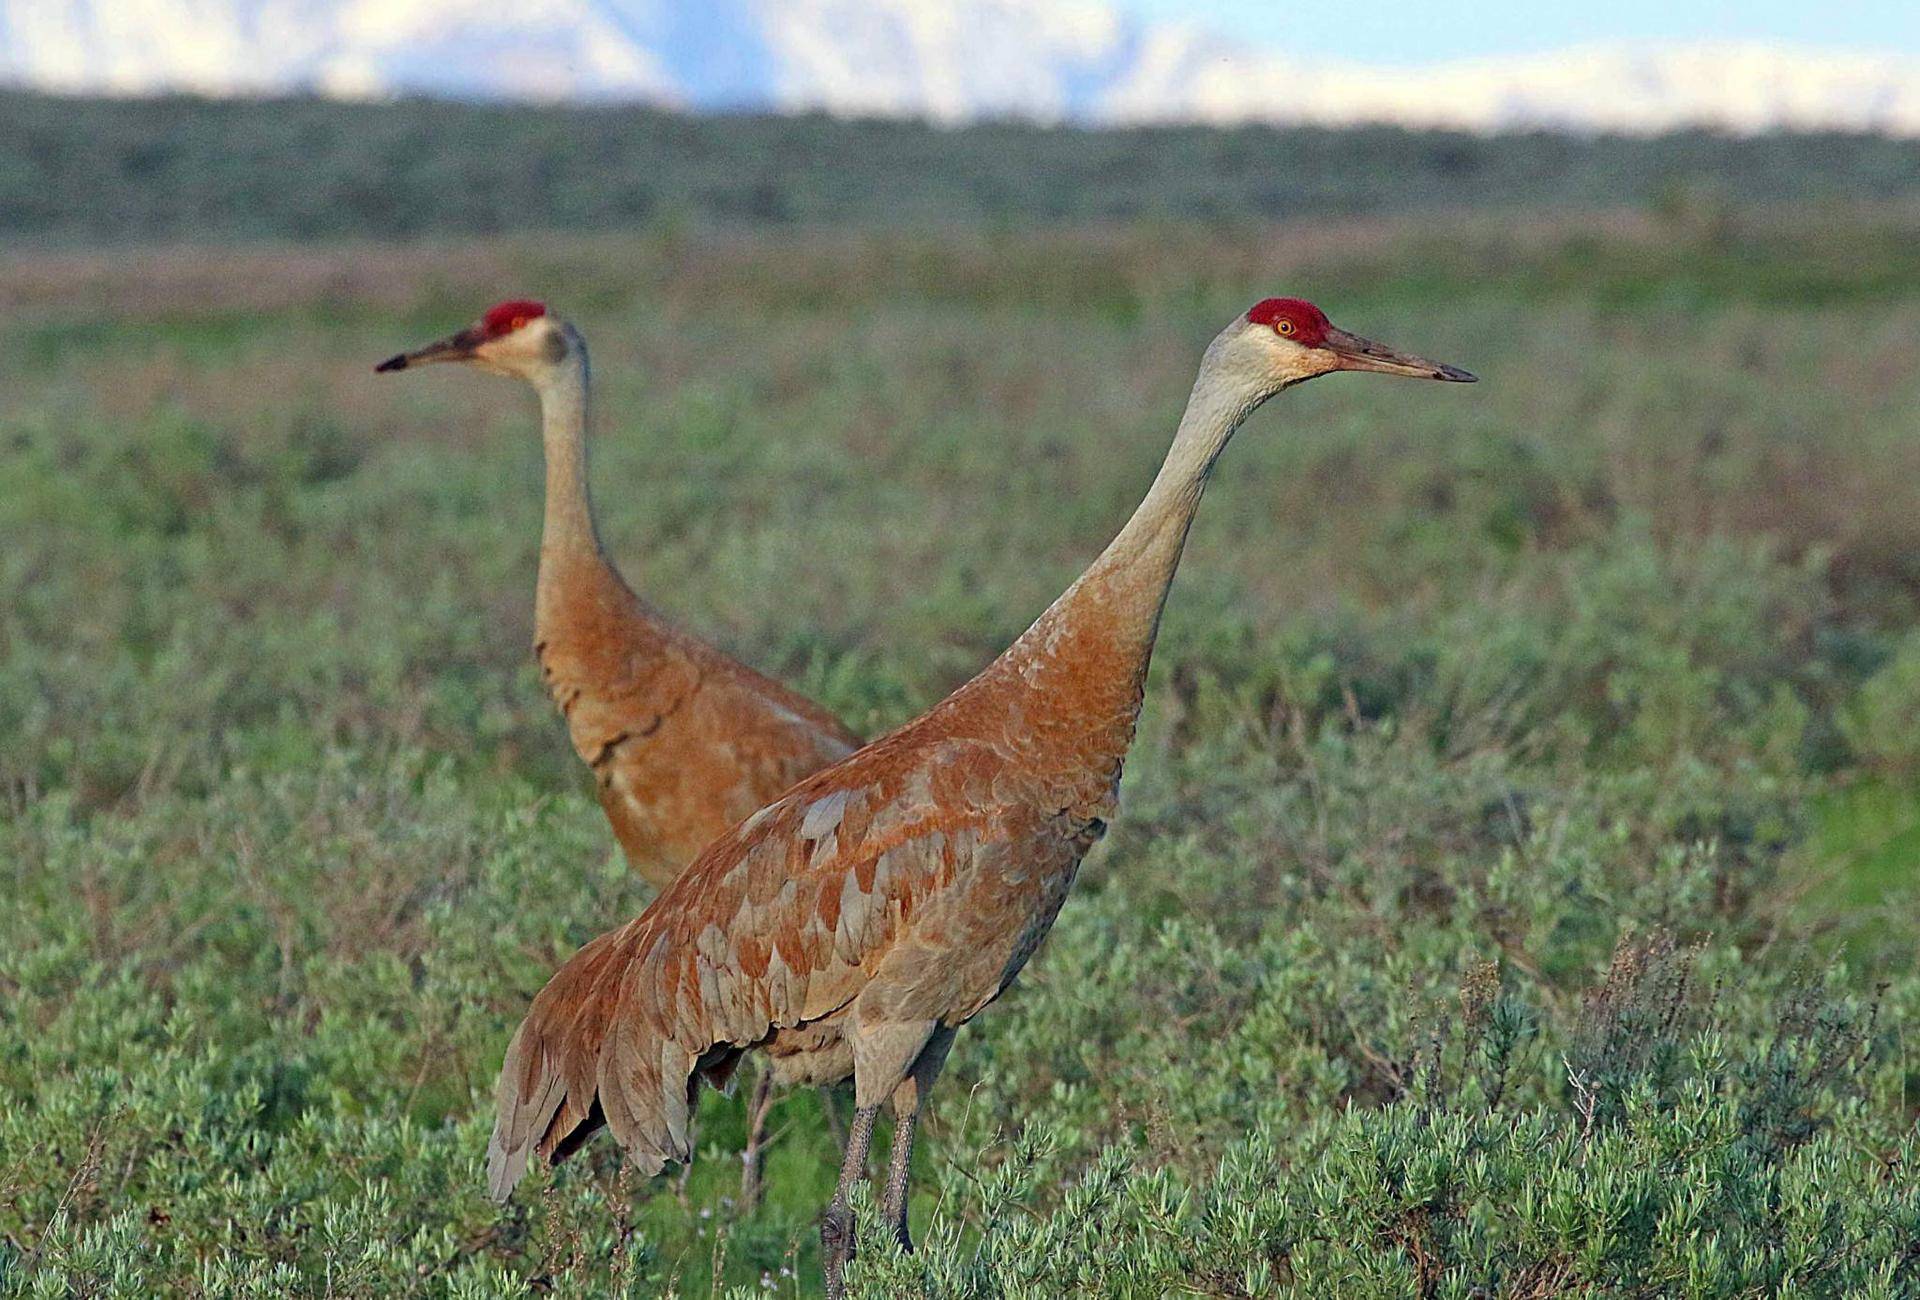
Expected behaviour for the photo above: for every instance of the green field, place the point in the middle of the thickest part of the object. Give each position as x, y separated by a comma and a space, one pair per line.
1514, 892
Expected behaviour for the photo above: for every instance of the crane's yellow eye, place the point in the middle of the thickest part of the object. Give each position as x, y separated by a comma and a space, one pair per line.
1284, 327
519, 323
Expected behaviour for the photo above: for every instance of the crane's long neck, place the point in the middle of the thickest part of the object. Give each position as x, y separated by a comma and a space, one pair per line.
1083, 664
569, 539
1131, 577
563, 430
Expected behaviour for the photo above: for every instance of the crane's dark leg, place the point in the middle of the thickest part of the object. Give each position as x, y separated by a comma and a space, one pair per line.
830, 1104
907, 1100
893, 1205
757, 1109
836, 1230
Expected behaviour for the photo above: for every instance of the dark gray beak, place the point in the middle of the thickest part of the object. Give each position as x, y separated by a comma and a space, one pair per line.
1356, 353
455, 347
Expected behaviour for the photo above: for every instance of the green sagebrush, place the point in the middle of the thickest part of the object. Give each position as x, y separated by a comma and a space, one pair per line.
1510, 897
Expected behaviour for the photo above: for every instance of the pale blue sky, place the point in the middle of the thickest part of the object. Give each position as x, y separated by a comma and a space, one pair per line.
1407, 31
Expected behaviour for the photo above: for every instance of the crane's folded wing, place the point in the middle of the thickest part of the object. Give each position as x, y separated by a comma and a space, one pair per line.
781, 921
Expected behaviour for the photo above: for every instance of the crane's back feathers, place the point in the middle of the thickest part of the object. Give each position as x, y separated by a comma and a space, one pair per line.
683, 740
891, 894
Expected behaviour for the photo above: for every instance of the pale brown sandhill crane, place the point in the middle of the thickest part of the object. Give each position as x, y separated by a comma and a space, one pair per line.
854, 925
683, 740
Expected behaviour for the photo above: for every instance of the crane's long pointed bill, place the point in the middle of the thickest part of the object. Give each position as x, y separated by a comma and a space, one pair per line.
1356, 353
455, 347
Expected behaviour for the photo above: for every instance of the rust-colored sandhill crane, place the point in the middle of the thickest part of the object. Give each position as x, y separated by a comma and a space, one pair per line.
854, 925
683, 740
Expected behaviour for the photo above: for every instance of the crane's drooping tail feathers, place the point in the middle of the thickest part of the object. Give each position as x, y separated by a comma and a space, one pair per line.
576, 1062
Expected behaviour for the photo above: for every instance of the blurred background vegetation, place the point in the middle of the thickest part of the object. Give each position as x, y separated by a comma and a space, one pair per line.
79, 170
1515, 890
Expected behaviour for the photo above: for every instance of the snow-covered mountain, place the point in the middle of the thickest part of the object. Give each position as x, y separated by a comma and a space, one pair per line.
951, 60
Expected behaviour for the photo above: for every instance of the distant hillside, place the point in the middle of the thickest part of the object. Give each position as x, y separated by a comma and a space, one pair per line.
88, 171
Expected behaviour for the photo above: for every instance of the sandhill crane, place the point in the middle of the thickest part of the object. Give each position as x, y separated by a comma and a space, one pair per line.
683, 740
855, 924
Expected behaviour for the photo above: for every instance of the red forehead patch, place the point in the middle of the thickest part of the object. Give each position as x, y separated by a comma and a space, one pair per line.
1306, 324
508, 316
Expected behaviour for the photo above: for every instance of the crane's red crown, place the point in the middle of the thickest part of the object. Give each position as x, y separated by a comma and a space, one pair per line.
1295, 319
506, 317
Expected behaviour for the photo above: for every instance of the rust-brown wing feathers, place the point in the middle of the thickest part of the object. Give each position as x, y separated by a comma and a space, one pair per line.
786, 920
904, 885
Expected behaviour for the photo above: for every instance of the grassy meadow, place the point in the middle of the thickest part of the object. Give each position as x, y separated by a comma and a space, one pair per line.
1514, 894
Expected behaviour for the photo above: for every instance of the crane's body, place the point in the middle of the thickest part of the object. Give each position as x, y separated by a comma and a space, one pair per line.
683, 740
877, 905
853, 926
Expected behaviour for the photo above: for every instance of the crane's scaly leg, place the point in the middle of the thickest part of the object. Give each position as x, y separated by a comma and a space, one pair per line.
899, 1166
830, 1104
757, 1110
907, 1100
836, 1229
